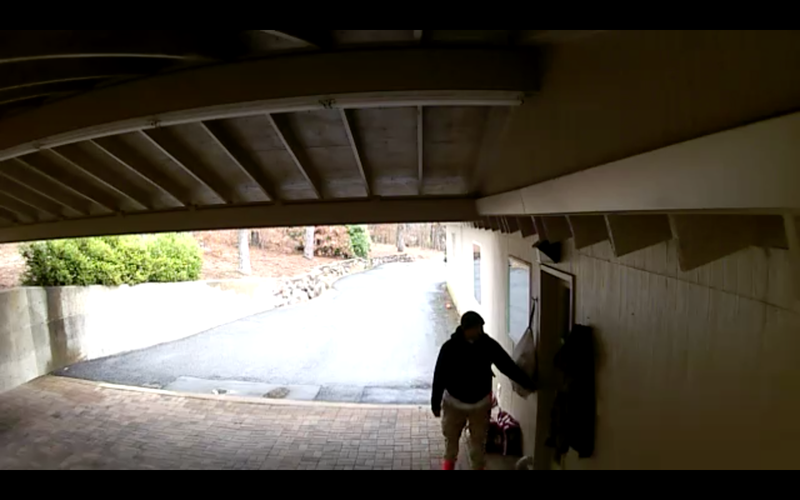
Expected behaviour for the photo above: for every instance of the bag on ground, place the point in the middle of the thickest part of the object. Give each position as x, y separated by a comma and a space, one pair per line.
505, 436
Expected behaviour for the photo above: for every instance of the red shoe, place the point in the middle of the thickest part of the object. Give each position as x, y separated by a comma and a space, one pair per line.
449, 465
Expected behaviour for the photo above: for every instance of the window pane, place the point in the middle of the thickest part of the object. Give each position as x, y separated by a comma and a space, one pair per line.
519, 298
476, 257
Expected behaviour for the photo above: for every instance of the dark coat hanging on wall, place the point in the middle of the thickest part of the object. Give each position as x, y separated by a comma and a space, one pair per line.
575, 409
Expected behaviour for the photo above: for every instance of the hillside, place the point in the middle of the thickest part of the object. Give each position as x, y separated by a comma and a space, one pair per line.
275, 256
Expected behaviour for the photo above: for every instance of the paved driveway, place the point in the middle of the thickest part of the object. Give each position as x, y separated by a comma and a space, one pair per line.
374, 339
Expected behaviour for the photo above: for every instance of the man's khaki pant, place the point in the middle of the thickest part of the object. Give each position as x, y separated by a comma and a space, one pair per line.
454, 420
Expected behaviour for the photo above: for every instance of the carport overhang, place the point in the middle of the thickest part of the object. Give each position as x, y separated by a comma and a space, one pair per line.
232, 129
45, 142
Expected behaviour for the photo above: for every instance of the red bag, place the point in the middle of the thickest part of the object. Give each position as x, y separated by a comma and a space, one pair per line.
512, 435
505, 436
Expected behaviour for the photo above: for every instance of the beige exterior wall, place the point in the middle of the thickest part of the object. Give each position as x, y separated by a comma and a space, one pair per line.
696, 370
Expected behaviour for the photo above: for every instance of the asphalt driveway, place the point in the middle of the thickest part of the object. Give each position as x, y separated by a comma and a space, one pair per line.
373, 339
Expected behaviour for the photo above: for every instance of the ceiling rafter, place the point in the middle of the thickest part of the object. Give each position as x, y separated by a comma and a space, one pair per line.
44, 165
21, 210
136, 163
9, 216
280, 123
176, 152
24, 196
385, 211
18, 191
238, 156
366, 177
81, 160
27, 177
393, 78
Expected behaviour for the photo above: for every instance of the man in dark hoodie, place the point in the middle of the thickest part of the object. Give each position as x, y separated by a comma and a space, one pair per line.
462, 387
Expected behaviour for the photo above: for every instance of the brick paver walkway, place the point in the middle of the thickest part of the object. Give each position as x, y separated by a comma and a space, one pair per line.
57, 423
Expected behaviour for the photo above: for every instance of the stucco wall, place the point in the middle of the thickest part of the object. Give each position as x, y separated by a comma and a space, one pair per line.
696, 370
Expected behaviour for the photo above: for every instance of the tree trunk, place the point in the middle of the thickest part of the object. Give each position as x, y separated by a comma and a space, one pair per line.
308, 251
244, 252
401, 238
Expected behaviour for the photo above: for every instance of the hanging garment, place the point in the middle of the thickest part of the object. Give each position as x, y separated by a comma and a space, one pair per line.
526, 356
575, 410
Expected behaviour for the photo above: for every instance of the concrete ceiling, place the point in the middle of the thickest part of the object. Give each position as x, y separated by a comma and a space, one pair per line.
108, 132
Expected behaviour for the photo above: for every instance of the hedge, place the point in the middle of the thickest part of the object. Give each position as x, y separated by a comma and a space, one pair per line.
112, 261
359, 241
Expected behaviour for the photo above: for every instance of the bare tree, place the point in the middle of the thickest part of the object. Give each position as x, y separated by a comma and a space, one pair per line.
244, 252
308, 251
401, 238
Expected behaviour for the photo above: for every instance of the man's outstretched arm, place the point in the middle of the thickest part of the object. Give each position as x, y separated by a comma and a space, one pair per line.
509, 368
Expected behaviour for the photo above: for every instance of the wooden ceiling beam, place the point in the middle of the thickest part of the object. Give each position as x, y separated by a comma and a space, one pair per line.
8, 217
77, 157
253, 216
23, 194
21, 211
355, 141
494, 130
238, 156
46, 163
281, 126
180, 155
20, 172
131, 159
373, 78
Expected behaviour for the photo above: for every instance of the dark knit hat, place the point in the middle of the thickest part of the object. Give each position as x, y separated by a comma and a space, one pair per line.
471, 320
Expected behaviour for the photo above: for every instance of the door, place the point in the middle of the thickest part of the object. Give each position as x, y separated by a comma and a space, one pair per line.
556, 305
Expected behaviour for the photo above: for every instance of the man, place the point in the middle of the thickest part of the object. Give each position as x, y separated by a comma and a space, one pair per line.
462, 387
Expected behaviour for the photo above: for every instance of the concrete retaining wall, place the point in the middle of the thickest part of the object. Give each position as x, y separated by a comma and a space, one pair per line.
42, 330
45, 329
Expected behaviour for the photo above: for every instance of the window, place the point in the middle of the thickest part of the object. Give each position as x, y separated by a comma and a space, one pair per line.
519, 298
476, 258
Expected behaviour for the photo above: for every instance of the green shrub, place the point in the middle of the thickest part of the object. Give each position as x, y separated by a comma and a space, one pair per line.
112, 261
359, 240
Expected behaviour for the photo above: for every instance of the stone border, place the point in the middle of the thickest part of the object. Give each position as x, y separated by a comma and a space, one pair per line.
235, 399
308, 286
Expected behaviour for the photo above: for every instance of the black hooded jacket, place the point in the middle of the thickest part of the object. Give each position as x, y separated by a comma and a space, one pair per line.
464, 369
